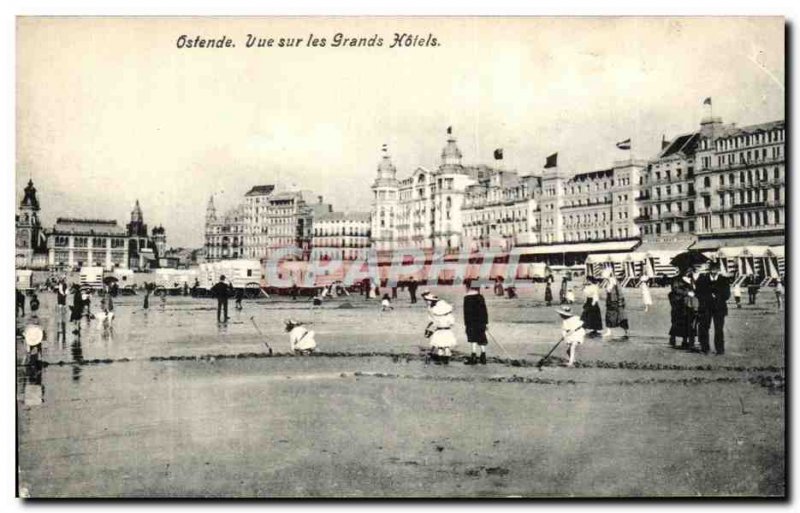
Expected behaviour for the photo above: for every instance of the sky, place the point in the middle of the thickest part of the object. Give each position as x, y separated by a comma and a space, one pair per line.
109, 110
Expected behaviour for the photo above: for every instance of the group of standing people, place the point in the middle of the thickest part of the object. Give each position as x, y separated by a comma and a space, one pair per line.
441, 321
697, 302
615, 317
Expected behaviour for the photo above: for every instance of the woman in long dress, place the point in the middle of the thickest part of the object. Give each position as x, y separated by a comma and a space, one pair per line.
591, 316
647, 299
615, 306
683, 314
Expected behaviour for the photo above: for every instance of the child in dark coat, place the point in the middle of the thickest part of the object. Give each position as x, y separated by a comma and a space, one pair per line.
476, 320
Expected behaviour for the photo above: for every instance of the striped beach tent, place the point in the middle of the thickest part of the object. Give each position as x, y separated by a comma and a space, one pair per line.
597, 263
657, 263
777, 259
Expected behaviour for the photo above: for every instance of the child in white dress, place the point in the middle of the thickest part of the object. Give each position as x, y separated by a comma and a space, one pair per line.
301, 339
573, 333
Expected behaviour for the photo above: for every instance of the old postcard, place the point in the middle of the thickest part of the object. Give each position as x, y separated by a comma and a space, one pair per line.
395, 257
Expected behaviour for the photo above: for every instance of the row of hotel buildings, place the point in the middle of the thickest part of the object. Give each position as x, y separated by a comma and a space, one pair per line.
719, 185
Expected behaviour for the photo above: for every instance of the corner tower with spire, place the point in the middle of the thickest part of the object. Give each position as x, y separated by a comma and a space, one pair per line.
30, 238
385, 198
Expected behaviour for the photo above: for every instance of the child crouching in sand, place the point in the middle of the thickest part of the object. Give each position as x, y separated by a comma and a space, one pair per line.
386, 303
301, 339
572, 332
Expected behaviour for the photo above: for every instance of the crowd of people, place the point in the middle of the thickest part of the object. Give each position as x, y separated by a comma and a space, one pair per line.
698, 301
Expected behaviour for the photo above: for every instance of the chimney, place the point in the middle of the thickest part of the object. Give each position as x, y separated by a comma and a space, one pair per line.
319, 198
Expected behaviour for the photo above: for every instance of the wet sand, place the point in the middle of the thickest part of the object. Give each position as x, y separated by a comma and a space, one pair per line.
173, 404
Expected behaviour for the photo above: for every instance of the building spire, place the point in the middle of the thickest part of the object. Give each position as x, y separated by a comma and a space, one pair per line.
211, 210
30, 200
451, 155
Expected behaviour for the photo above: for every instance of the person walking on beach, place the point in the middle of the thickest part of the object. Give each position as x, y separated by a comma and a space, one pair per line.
61, 295
779, 293
562, 292
752, 290
713, 292
647, 299
591, 316
548, 293
239, 298
615, 306
20, 302
737, 295
412, 290
476, 321
77, 309
221, 291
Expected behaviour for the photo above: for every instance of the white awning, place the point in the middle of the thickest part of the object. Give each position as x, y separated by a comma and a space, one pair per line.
757, 251
777, 251
664, 254
730, 252
586, 247
608, 258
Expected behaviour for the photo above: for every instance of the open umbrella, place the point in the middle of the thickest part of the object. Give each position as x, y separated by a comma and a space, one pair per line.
688, 259
108, 280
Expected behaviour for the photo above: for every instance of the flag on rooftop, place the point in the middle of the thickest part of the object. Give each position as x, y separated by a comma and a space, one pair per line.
498, 154
552, 161
707, 101
624, 145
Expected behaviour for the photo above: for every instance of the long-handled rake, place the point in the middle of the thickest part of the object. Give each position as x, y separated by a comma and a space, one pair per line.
262, 335
545, 357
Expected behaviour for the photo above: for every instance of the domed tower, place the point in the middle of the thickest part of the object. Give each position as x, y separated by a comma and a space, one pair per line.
385, 196
160, 240
451, 155
137, 228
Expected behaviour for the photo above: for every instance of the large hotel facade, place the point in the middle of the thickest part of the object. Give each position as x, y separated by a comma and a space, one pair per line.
703, 190
475, 207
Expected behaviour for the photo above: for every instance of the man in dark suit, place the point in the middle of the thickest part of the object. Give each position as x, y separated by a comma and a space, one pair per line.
221, 291
713, 292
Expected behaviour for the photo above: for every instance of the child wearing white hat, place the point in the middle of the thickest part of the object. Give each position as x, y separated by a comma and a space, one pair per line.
301, 339
572, 332
442, 339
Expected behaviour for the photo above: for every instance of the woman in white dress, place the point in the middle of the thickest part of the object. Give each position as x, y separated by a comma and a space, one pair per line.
647, 299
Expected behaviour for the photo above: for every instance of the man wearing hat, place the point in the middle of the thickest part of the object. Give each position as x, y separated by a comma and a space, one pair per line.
572, 332
713, 292
221, 290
